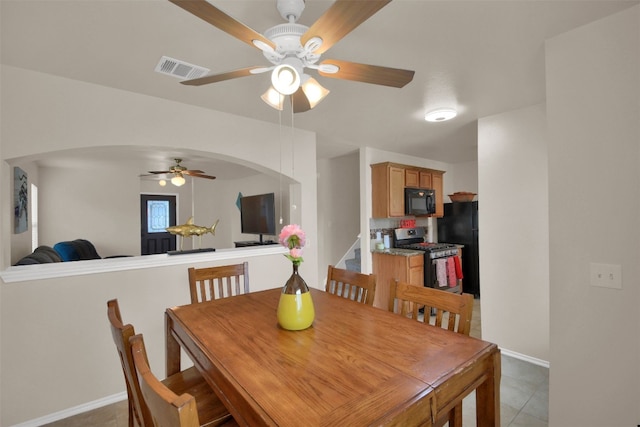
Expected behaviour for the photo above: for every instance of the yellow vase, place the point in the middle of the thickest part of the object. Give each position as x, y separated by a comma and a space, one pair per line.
295, 308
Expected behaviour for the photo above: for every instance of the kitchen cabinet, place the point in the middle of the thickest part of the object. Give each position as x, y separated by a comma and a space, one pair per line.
388, 190
411, 178
437, 180
426, 180
390, 266
388, 181
416, 178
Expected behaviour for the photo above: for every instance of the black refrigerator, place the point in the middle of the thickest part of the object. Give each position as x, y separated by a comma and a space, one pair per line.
460, 225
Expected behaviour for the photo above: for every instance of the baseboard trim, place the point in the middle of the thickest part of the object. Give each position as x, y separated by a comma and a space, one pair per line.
66, 413
524, 357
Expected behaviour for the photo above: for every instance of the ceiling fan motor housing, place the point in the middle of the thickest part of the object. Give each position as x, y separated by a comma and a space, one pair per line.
178, 167
287, 40
290, 10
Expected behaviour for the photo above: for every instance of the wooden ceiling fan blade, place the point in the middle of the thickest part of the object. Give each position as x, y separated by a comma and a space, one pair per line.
214, 16
373, 74
192, 171
339, 20
299, 102
199, 175
214, 78
159, 172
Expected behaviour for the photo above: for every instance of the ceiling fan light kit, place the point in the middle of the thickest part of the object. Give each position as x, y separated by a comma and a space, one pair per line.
178, 180
441, 115
314, 91
285, 79
273, 98
292, 47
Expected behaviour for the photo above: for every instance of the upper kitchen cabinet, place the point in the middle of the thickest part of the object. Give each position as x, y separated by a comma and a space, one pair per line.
411, 178
389, 181
437, 181
419, 178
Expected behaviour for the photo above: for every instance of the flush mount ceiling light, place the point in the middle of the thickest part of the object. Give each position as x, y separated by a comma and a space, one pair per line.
441, 115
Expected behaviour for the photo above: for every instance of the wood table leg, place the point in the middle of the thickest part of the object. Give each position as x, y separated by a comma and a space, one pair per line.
488, 394
172, 350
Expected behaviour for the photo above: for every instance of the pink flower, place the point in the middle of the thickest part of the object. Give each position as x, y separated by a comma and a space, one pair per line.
296, 252
293, 238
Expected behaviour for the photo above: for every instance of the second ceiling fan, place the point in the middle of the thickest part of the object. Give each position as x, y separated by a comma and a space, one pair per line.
292, 47
178, 171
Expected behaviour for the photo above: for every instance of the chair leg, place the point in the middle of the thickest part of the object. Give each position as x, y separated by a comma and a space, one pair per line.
453, 417
131, 420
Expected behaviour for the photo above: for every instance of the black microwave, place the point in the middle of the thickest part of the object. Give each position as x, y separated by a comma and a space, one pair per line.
419, 202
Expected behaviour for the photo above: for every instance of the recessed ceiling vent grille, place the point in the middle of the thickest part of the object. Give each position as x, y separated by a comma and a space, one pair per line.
180, 69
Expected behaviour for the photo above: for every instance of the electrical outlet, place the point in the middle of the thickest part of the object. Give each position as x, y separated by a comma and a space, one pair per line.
606, 275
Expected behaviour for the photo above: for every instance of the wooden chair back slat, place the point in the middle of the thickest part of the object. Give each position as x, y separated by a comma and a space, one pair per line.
211, 283
351, 285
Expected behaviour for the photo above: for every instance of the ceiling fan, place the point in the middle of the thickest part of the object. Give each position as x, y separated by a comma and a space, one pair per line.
292, 47
178, 171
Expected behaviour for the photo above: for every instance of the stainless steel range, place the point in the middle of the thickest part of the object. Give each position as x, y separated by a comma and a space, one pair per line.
440, 270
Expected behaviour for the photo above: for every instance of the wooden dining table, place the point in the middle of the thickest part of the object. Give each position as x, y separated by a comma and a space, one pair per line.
355, 366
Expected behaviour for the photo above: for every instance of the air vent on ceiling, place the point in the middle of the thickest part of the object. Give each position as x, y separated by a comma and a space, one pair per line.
180, 69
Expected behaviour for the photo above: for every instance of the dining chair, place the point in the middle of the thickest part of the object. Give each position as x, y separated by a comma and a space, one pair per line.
349, 284
452, 311
211, 283
167, 408
211, 410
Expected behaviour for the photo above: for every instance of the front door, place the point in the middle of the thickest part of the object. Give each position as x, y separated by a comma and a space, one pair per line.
157, 212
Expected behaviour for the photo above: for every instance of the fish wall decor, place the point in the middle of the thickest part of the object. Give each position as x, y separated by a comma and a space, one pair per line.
189, 229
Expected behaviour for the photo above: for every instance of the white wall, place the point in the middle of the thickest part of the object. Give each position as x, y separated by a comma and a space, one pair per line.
593, 105
49, 324
339, 195
88, 117
95, 204
463, 177
514, 231
57, 350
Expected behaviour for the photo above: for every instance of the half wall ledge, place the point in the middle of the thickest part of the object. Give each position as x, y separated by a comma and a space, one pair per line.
25, 273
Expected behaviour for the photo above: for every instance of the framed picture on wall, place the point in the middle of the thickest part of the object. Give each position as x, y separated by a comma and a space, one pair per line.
20, 200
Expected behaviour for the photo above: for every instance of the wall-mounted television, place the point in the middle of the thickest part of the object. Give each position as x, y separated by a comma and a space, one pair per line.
258, 214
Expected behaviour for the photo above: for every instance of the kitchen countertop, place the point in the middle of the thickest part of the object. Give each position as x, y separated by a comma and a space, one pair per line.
397, 251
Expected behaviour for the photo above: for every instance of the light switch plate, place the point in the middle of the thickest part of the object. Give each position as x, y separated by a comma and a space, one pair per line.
606, 275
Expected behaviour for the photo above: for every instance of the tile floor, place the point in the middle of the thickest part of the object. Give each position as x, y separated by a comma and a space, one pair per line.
524, 390
524, 395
